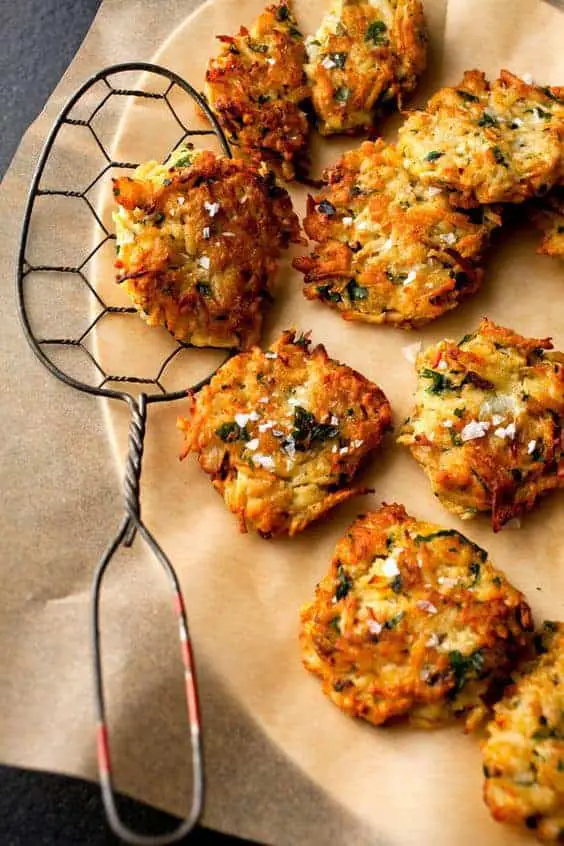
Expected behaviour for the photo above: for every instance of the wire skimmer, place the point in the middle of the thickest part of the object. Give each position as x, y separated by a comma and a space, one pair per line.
99, 385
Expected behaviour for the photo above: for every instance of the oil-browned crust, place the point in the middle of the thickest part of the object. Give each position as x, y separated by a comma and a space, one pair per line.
548, 214
390, 249
524, 753
198, 239
498, 143
283, 433
363, 59
487, 422
412, 620
258, 89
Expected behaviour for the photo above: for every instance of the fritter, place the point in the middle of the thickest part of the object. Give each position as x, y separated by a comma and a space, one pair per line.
258, 89
282, 433
197, 241
548, 215
490, 144
391, 249
413, 621
363, 59
524, 753
487, 423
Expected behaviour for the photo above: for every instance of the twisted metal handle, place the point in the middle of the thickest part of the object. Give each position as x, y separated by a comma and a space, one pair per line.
130, 525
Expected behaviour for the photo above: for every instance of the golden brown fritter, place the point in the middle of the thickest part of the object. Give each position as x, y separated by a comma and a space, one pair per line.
363, 59
391, 250
487, 423
258, 89
283, 433
524, 754
498, 143
197, 241
548, 215
412, 620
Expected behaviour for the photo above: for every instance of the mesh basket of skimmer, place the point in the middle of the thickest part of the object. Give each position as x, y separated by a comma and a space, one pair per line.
136, 391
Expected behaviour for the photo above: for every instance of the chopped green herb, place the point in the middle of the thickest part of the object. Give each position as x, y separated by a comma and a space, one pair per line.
307, 430
316, 42
465, 339
433, 156
338, 58
461, 280
393, 621
496, 581
396, 584
334, 623
467, 96
452, 533
376, 32
282, 13
474, 570
440, 382
327, 293
116, 192
325, 207
203, 289
537, 453
230, 432
294, 32
355, 291
262, 99
550, 93
542, 113
158, 219
487, 120
256, 46
344, 583
498, 156
167, 182
340, 684
183, 161
350, 412
342, 94
302, 340
465, 666
458, 412
455, 438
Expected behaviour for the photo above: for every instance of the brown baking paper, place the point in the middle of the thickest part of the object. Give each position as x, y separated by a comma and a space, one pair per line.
284, 765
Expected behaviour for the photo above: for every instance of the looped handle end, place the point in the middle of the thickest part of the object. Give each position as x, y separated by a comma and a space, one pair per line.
193, 712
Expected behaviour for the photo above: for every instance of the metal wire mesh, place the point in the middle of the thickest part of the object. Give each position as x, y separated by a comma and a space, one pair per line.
101, 376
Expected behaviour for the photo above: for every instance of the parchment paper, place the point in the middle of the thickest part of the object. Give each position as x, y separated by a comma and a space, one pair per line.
285, 766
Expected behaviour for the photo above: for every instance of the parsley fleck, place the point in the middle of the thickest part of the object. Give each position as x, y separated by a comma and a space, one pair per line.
465, 340
307, 430
344, 583
433, 156
474, 570
327, 293
230, 432
282, 13
396, 584
325, 207
487, 120
203, 289
465, 666
294, 32
467, 96
342, 94
440, 382
498, 156
356, 292
183, 161
376, 32
458, 412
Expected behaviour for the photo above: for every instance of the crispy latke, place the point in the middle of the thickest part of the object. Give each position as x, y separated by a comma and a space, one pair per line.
363, 59
391, 250
283, 433
498, 143
197, 241
487, 422
524, 754
258, 89
548, 215
413, 621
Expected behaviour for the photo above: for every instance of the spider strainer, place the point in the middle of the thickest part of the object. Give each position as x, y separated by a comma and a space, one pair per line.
94, 94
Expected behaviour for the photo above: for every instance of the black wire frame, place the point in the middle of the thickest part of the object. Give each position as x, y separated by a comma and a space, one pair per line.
131, 522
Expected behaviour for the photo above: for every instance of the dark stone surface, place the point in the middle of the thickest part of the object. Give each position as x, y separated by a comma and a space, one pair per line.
38, 40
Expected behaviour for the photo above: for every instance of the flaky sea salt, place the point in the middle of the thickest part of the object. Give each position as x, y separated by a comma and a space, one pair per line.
474, 429
506, 431
211, 208
390, 567
204, 261
411, 351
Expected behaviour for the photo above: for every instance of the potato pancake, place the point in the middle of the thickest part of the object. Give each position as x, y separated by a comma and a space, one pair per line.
363, 59
198, 240
489, 144
524, 753
258, 89
487, 422
282, 433
413, 621
391, 249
